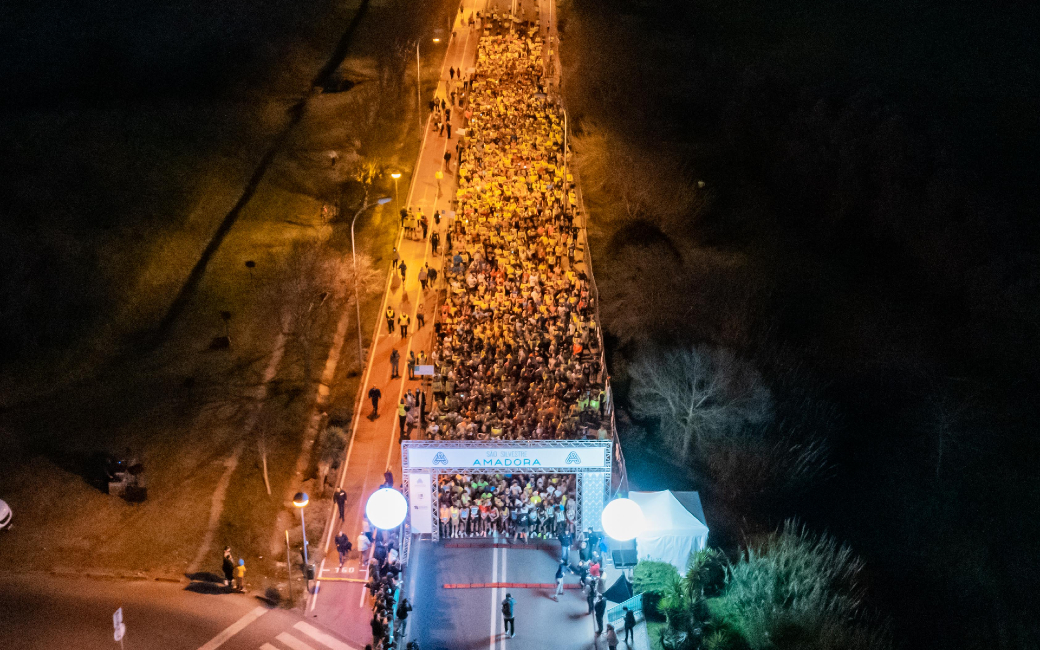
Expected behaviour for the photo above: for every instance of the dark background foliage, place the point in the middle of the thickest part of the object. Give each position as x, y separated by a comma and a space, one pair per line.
866, 236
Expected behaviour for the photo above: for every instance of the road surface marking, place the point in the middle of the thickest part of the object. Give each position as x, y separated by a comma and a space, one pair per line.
293, 642
373, 348
234, 629
493, 637
268, 646
323, 638
502, 577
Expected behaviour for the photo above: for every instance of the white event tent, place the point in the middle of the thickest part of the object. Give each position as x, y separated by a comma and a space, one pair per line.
674, 526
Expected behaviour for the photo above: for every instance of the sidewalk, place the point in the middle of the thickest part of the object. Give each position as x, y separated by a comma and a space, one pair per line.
342, 605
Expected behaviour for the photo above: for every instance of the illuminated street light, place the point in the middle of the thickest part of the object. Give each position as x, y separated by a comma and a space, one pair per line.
386, 508
623, 520
300, 501
418, 82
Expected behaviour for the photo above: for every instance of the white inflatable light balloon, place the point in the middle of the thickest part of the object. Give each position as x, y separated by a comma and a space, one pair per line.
386, 508
623, 519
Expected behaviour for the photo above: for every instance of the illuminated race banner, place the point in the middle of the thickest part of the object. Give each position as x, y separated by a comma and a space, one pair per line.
576, 455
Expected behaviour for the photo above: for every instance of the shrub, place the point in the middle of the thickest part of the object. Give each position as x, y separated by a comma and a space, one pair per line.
651, 577
653, 580
797, 589
706, 572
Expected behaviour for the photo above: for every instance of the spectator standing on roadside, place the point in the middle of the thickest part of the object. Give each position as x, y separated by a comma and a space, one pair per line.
373, 394
559, 581
566, 540
630, 625
600, 608
402, 413
404, 270
378, 630
435, 242
340, 497
388, 478
508, 605
403, 608
240, 575
611, 638
411, 421
422, 277
395, 359
343, 546
363, 543
420, 316
228, 566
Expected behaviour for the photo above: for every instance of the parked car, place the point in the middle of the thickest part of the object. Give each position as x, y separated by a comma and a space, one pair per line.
5, 515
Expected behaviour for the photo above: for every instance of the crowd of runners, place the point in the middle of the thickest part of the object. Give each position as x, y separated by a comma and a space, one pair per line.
514, 506
516, 349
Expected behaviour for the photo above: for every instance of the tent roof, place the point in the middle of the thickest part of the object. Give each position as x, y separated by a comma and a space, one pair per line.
692, 502
665, 513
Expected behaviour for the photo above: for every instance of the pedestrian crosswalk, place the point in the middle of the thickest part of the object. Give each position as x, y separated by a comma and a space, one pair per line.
306, 637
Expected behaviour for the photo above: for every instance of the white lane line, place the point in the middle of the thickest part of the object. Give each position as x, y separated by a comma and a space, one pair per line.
234, 629
492, 637
460, 56
293, 642
268, 646
321, 637
373, 348
502, 578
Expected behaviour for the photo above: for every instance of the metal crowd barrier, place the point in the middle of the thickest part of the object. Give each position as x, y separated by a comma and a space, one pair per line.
617, 612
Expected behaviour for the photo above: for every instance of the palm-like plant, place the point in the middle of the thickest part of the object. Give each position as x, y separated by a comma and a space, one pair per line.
797, 589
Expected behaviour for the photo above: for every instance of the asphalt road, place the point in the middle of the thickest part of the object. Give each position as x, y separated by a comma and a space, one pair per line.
42, 612
471, 618
344, 606
341, 605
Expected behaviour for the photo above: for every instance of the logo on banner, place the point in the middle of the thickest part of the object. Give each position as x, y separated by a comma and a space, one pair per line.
573, 458
440, 459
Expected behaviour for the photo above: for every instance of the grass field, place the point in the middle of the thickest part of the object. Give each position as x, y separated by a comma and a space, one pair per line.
104, 384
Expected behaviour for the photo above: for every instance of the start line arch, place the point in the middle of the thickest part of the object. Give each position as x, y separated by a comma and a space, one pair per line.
424, 461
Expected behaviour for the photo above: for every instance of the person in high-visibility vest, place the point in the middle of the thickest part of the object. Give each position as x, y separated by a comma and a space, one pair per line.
402, 414
390, 319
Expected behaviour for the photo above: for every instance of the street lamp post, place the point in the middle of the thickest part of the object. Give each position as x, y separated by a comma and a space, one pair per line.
357, 303
418, 89
300, 501
418, 83
397, 197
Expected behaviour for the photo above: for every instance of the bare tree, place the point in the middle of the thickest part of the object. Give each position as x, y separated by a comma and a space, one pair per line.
333, 443
305, 283
700, 395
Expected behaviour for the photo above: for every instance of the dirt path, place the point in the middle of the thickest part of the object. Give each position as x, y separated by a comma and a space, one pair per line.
231, 463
